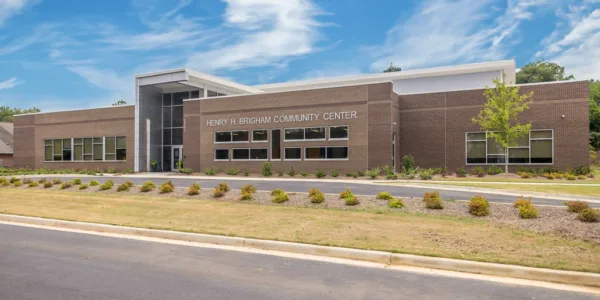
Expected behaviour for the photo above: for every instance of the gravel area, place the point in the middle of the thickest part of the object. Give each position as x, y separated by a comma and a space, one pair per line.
551, 219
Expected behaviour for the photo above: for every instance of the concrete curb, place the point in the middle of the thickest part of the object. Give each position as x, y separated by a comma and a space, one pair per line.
512, 271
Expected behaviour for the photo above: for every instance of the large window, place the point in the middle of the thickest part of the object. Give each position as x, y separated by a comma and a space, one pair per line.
338, 132
259, 136
250, 154
221, 154
293, 153
235, 136
325, 153
535, 148
301, 134
86, 149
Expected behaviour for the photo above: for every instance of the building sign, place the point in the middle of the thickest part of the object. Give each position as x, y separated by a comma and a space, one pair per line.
329, 116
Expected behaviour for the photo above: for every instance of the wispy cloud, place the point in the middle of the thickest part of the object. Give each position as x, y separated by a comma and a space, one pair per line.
9, 8
448, 32
42, 33
575, 42
265, 32
9, 84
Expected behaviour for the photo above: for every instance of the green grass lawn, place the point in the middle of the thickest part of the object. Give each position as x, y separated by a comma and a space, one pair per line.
556, 189
384, 229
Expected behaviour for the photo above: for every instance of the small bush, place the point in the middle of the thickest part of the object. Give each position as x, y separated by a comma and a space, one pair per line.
317, 197
345, 193
123, 188
246, 172
56, 181
576, 206
33, 184
66, 185
581, 177
27, 181
166, 188
210, 171
433, 200
76, 181
373, 173
13, 180
395, 203
571, 177
93, 183
304, 174
246, 196
276, 192
248, 189
523, 175
109, 182
384, 196
280, 174
461, 172
479, 206
351, 200
494, 170
41, 181
353, 175
360, 173
408, 164
292, 172
223, 187
521, 202
194, 189
146, 187
150, 184
313, 191
267, 169
48, 184
18, 183
320, 174
478, 171
589, 215
105, 186
426, 174
391, 176
218, 193
129, 183
111, 170
83, 186
528, 211
186, 171
335, 173
4, 181
280, 198
232, 171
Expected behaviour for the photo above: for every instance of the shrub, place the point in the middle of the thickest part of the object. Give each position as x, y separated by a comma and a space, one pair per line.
166, 188
433, 200
304, 174
93, 183
558, 175
426, 174
391, 176
48, 184
76, 181
186, 171
395, 203
576, 206
408, 164
146, 187
41, 181
280, 174
218, 193
194, 189
570, 177
373, 173
109, 182
478, 171
317, 197
494, 170
4, 181
56, 181
479, 206
232, 171
66, 185
335, 173
360, 173
248, 189
150, 184
18, 183
521, 202
276, 192
345, 193
223, 187
384, 196
210, 171
523, 175
129, 183
353, 175
27, 181
111, 170
320, 174
313, 191
105, 186
246, 172
196, 186
267, 169
33, 184
246, 196
292, 172
461, 172
581, 177
280, 198
581, 170
589, 215
351, 200
528, 211
123, 187
13, 180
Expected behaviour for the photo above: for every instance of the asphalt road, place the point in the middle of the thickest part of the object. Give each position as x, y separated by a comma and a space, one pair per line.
326, 187
47, 264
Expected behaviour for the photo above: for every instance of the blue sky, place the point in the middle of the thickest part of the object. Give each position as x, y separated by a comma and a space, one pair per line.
63, 54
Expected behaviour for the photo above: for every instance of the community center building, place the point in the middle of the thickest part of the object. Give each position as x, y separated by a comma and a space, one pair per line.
184, 117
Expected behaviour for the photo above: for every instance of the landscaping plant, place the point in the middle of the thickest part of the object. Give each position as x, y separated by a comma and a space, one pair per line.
461, 172
320, 174
408, 164
384, 196
478, 171
281, 197
246, 172
76, 181
83, 186
194, 189
267, 169
166, 188
33, 184
210, 171
18, 183
479, 206
528, 211
246, 196
521, 202
345, 193
276, 192
124, 187
395, 203
433, 200
589, 215
48, 184
335, 173
425, 174
316, 196
224, 187
232, 171
56, 181
373, 173
27, 181
13, 180
93, 183
576, 206
350, 199
292, 172
304, 174
248, 189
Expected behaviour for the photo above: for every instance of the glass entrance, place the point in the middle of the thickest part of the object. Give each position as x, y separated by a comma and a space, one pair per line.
177, 156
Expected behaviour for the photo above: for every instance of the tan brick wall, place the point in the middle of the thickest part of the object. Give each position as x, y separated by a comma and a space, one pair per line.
433, 126
31, 130
6, 160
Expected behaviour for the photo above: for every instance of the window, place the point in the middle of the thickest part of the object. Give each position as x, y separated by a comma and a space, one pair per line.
275, 144
241, 154
98, 151
196, 94
535, 148
177, 117
177, 136
259, 135
210, 93
88, 148
238, 136
179, 97
259, 154
48, 150
338, 132
110, 148
300, 134
325, 153
293, 153
221, 154
121, 148
78, 149
85, 149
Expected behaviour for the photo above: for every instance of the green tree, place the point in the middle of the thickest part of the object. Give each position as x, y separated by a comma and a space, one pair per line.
392, 68
594, 106
542, 71
499, 115
120, 102
7, 113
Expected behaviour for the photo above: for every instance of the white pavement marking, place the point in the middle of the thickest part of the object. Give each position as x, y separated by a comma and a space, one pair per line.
418, 270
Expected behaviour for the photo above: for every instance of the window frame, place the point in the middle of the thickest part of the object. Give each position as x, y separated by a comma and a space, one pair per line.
260, 141
249, 154
228, 154
231, 137
326, 156
292, 159
83, 154
304, 134
271, 146
507, 156
337, 139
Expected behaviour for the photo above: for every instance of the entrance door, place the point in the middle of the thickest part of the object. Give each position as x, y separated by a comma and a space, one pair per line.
177, 156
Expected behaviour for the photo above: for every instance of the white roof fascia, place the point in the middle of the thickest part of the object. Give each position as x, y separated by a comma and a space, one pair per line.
506, 66
223, 83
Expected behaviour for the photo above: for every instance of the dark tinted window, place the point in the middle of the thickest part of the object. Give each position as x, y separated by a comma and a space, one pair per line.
259, 153
315, 153
177, 136
294, 134
239, 136
337, 152
338, 132
241, 154
166, 117
179, 97
177, 116
293, 153
222, 154
222, 136
166, 99
314, 133
167, 136
276, 144
259, 135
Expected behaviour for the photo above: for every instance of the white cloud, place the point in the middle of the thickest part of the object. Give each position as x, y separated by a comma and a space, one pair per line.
42, 33
265, 32
121, 86
9, 84
9, 8
444, 32
575, 45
